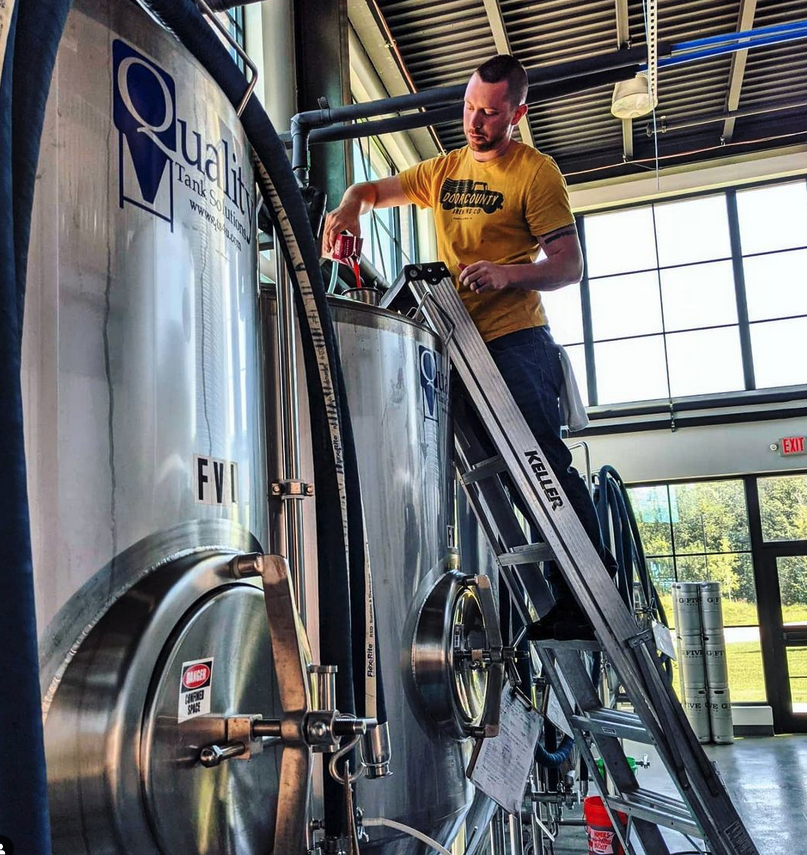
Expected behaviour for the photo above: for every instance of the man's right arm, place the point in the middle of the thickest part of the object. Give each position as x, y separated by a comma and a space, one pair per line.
358, 200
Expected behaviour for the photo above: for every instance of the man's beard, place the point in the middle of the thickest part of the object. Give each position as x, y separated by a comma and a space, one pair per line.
484, 144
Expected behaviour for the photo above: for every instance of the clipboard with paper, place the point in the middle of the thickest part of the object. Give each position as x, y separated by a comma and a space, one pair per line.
501, 766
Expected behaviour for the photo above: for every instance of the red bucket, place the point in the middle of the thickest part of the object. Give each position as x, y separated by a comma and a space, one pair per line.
602, 839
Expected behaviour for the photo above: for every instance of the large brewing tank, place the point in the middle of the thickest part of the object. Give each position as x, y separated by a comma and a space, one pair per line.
397, 387
145, 447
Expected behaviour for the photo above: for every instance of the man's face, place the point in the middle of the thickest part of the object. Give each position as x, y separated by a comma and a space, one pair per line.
489, 116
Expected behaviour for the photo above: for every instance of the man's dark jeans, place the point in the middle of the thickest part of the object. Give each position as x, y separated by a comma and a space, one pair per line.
529, 361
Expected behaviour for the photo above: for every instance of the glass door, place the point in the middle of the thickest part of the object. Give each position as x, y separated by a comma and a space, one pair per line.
781, 555
791, 572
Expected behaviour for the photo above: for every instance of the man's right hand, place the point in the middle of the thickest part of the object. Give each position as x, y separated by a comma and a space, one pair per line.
345, 218
360, 199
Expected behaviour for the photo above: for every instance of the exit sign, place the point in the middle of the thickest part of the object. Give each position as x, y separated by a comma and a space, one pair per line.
792, 445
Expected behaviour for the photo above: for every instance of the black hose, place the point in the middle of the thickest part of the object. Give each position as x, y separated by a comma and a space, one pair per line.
33, 39
621, 535
340, 525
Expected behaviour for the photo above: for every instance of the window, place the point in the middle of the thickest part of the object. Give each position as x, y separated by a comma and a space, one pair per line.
699, 532
701, 296
773, 234
783, 508
387, 232
233, 20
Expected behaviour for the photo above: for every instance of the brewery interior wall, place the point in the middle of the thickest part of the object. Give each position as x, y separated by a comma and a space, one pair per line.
644, 449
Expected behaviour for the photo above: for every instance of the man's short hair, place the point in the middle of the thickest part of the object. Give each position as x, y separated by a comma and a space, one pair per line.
506, 67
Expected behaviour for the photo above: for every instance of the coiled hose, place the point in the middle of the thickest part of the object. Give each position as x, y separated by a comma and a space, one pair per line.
621, 535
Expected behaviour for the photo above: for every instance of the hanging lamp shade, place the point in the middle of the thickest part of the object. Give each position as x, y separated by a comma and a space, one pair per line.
632, 98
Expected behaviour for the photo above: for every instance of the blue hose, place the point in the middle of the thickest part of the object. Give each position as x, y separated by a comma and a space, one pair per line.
721, 50
726, 38
554, 759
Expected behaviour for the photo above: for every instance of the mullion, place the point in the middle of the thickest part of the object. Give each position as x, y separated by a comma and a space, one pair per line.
740, 291
588, 325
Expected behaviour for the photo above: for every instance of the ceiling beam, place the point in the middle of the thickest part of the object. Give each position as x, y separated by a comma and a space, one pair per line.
502, 42
623, 41
378, 50
745, 22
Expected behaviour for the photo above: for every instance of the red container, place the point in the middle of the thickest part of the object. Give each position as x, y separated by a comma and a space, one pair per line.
602, 839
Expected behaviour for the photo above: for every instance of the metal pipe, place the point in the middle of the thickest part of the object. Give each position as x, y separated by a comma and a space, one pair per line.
302, 123
516, 835
498, 835
453, 112
716, 118
326, 685
226, 35
441, 95
290, 420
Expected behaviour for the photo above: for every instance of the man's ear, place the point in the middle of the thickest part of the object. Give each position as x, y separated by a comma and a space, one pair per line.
521, 111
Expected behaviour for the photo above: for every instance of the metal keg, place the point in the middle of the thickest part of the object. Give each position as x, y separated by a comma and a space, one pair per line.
714, 656
686, 600
696, 707
711, 604
720, 716
691, 662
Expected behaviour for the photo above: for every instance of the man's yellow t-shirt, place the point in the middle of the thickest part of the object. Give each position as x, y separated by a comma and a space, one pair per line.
492, 211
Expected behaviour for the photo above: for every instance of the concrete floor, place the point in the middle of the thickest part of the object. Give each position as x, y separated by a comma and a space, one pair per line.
767, 779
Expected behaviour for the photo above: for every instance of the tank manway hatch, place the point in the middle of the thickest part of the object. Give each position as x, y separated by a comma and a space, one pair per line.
181, 726
146, 691
457, 656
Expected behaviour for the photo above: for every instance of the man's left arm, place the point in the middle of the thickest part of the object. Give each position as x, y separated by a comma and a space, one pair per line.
561, 264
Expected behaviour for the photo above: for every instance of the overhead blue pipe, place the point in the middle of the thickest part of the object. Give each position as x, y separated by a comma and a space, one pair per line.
726, 38
732, 48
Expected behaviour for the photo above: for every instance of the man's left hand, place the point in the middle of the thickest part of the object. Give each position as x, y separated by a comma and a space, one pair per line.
484, 276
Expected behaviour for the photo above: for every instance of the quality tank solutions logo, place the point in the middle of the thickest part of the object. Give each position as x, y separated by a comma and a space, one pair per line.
165, 160
433, 382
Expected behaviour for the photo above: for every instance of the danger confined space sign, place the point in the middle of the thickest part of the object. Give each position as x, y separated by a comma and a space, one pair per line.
195, 688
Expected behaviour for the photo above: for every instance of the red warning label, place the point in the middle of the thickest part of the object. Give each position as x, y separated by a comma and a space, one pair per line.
195, 686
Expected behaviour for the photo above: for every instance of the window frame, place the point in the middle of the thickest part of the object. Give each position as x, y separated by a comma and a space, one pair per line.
739, 398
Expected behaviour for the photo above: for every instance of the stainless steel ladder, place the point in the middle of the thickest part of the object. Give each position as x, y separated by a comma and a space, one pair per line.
500, 462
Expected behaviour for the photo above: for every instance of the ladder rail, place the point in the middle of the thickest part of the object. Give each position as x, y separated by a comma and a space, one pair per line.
611, 752
628, 649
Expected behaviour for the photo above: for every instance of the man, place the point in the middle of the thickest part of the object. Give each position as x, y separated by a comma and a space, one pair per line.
496, 204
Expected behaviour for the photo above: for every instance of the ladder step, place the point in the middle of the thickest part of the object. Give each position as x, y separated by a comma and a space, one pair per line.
484, 469
530, 553
618, 723
658, 809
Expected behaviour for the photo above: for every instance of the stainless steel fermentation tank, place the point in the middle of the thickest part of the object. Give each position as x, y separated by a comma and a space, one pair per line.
397, 386
145, 444
144, 383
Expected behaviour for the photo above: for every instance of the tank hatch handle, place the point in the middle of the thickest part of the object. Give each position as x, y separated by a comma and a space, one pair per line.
488, 725
301, 730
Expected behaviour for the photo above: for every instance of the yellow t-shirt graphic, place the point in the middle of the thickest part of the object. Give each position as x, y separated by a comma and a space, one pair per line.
492, 211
